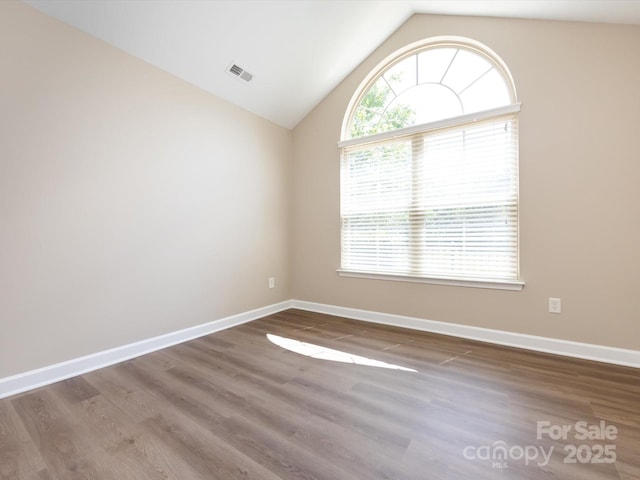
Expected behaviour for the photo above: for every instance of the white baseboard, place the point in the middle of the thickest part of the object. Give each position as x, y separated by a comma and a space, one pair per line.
587, 351
78, 366
61, 371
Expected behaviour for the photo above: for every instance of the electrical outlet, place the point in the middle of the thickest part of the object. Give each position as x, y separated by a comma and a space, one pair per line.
272, 282
555, 305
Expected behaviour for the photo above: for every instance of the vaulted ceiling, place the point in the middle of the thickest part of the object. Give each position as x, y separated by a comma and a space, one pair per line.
296, 50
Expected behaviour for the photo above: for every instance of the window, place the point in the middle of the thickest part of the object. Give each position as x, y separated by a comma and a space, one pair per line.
429, 169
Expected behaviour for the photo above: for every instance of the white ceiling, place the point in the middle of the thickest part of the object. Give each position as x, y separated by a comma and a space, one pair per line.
297, 50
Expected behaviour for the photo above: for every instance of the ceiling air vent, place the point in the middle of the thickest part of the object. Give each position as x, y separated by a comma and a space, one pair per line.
239, 72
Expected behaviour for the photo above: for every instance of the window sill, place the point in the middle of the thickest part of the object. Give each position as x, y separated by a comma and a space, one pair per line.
515, 285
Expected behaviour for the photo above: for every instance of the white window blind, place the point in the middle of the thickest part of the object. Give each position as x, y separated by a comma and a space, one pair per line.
437, 201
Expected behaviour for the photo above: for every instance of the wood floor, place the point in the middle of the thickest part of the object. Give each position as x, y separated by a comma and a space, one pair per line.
241, 405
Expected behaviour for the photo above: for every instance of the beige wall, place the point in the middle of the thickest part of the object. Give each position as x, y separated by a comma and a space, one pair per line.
131, 203
580, 187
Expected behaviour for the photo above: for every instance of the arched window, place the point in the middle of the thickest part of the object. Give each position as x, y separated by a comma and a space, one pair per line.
429, 173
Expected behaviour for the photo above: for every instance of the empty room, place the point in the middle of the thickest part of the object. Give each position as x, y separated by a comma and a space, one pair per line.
321, 240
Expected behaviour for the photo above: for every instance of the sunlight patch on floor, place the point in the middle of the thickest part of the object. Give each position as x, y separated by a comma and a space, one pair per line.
324, 353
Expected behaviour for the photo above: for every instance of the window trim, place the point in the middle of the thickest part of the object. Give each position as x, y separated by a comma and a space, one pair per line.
497, 284
467, 119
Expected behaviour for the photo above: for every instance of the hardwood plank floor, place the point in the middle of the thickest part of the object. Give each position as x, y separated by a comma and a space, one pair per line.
300, 395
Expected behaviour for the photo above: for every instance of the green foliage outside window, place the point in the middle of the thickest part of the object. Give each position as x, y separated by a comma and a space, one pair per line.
374, 115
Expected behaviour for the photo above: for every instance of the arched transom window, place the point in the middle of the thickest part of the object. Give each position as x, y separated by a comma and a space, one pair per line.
429, 174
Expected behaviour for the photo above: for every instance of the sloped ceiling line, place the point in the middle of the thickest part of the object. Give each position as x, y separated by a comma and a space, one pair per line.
297, 50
